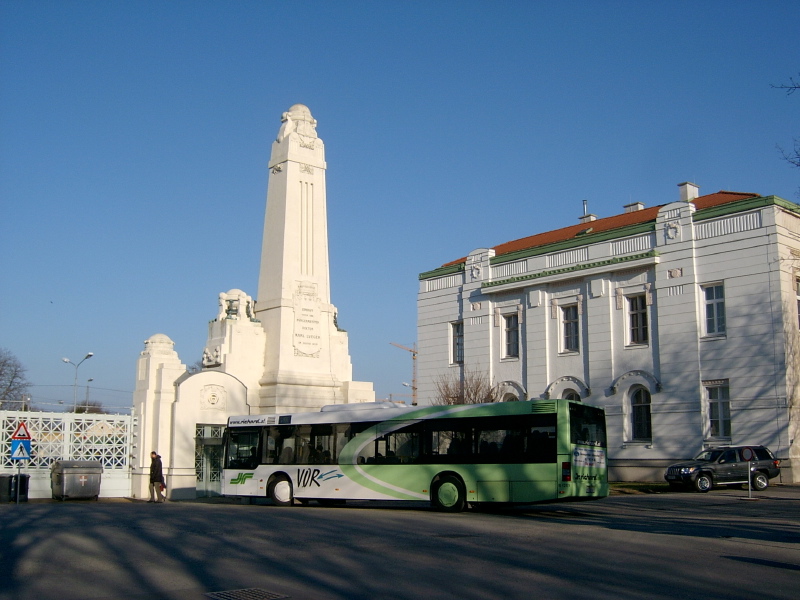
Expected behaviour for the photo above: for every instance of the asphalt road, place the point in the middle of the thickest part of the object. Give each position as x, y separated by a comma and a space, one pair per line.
674, 545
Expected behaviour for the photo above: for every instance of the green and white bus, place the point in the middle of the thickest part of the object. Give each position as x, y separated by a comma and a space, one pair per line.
506, 452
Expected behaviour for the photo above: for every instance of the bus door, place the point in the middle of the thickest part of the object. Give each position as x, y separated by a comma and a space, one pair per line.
242, 452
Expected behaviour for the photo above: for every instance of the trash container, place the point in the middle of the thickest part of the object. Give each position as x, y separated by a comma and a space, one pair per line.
76, 479
5, 488
20, 482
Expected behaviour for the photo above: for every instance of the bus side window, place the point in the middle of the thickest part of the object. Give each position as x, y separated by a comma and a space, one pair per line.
402, 446
541, 445
342, 435
270, 446
322, 444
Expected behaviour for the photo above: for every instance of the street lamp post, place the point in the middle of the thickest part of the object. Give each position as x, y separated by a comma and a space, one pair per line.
75, 384
86, 402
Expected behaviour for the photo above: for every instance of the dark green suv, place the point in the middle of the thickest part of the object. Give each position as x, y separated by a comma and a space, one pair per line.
726, 465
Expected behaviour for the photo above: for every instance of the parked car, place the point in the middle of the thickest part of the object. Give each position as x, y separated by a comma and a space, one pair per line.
727, 465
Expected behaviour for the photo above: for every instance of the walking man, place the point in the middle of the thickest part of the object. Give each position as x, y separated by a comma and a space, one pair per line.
156, 478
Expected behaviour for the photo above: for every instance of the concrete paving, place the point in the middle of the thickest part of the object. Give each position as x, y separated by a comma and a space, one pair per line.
686, 545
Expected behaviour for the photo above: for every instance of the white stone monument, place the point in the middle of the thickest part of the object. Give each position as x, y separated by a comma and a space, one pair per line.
284, 353
307, 364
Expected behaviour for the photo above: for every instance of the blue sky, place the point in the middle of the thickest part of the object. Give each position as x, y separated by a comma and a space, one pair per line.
134, 140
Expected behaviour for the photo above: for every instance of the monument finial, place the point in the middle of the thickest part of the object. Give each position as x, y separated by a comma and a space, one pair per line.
298, 119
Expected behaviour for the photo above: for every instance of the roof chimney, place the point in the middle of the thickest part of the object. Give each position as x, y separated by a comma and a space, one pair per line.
689, 191
586, 217
633, 207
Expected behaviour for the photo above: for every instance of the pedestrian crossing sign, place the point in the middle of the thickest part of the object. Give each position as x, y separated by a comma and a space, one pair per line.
20, 449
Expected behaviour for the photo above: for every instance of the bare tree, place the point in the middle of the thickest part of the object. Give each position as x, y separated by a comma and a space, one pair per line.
13, 382
91, 407
791, 156
790, 87
473, 386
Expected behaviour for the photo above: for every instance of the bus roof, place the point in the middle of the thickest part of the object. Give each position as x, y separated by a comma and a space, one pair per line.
386, 411
336, 413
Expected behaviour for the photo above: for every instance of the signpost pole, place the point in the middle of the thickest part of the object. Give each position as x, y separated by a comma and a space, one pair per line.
20, 450
749, 455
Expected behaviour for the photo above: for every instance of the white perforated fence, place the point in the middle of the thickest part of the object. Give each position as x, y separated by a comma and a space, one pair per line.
68, 436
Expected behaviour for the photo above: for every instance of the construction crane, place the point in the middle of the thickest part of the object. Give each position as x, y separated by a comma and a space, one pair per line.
413, 385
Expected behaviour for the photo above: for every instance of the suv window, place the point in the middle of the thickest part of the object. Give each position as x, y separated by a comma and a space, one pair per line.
729, 456
763, 454
708, 455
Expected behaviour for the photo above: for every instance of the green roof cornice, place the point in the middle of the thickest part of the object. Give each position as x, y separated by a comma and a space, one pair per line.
441, 271
581, 267
738, 206
787, 205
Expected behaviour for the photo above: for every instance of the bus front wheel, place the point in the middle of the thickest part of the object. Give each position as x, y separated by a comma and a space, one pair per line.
280, 491
448, 494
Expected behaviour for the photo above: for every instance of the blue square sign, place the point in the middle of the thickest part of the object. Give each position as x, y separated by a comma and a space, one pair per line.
20, 449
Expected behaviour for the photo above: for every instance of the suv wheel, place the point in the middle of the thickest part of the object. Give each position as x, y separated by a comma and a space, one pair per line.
703, 482
760, 481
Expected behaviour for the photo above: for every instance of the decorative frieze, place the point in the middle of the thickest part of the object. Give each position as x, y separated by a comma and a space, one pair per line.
727, 226
570, 257
433, 285
509, 269
635, 244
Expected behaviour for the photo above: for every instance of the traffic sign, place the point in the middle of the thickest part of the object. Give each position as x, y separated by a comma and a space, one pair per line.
21, 432
20, 449
748, 454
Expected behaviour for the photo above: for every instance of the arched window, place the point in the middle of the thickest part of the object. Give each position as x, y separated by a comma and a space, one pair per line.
640, 413
510, 398
571, 395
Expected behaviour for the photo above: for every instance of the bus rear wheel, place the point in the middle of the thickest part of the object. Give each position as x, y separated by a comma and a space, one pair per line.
448, 494
280, 491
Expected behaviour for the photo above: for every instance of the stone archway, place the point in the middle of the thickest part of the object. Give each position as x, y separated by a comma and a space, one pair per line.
560, 386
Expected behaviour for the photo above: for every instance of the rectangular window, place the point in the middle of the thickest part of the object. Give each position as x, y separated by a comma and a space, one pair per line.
511, 336
637, 310
719, 411
569, 316
458, 342
797, 294
714, 309
640, 411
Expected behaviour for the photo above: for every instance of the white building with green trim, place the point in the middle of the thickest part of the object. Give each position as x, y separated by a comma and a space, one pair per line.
680, 320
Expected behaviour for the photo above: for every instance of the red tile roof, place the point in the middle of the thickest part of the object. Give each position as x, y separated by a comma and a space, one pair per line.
606, 224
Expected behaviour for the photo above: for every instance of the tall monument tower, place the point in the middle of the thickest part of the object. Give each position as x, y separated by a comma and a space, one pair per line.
307, 362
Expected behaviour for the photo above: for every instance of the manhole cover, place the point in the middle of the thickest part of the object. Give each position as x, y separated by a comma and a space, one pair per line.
246, 594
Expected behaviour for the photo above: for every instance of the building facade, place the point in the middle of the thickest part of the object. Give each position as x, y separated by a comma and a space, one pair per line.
682, 321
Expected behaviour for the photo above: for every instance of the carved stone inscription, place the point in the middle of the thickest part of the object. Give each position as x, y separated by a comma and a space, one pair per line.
307, 328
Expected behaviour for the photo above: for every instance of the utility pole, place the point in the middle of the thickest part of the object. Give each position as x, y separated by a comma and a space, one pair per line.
413, 385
